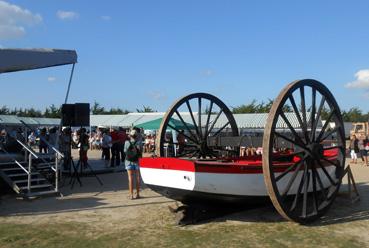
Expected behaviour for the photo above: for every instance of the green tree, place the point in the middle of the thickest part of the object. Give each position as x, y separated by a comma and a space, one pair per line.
52, 112
253, 107
4, 110
146, 109
245, 108
117, 111
354, 115
97, 109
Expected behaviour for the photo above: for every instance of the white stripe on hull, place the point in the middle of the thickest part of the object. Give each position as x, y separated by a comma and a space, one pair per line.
168, 178
218, 183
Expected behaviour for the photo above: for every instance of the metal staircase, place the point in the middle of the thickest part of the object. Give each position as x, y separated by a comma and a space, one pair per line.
36, 175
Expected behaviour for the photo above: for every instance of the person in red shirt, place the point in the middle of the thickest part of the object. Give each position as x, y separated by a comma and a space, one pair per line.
115, 159
122, 137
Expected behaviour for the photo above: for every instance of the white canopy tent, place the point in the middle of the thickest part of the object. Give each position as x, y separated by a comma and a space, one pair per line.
16, 59
27, 59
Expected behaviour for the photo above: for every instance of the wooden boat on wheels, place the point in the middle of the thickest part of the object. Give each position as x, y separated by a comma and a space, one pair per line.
299, 166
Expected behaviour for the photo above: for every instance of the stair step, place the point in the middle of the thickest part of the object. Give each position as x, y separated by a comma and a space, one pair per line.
11, 163
41, 193
23, 174
43, 167
12, 169
32, 180
36, 186
46, 156
50, 163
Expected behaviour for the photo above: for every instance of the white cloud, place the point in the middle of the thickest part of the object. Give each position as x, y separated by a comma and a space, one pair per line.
207, 72
13, 20
362, 80
67, 15
106, 18
157, 95
51, 79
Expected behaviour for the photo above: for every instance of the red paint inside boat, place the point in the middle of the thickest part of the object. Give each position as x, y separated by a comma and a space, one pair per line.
242, 165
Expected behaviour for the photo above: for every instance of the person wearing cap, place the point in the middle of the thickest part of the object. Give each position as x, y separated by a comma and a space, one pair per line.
133, 151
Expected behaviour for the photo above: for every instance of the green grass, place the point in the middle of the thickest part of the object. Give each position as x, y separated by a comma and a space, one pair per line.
217, 234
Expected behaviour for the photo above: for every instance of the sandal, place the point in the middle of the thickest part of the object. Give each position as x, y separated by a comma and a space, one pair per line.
130, 197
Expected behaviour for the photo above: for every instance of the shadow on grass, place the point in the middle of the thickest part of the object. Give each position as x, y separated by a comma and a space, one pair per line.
342, 210
16, 207
112, 182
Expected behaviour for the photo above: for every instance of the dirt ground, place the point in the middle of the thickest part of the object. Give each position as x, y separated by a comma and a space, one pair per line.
107, 209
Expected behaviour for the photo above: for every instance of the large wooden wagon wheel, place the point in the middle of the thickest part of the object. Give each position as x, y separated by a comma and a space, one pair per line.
304, 190
196, 116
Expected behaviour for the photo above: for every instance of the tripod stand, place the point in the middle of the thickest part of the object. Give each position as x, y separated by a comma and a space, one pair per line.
78, 171
75, 175
82, 162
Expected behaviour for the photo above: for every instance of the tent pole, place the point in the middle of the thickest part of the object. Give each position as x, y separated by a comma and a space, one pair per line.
70, 82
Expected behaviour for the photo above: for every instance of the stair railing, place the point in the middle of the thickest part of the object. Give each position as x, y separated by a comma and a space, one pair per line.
32, 153
58, 155
29, 171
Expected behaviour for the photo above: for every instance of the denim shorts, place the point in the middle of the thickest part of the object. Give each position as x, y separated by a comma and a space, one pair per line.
364, 152
132, 166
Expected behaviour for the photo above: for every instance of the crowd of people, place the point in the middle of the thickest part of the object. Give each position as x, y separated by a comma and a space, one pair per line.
359, 145
117, 145
111, 143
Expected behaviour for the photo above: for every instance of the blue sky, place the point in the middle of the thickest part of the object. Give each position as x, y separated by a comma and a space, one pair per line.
135, 53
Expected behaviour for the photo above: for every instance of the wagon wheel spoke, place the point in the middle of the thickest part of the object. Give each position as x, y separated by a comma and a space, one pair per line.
325, 126
188, 137
318, 114
302, 146
193, 154
334, 130
192, 117
221, 129
199, 118
322, 189
315, 196
185, 124
215, 120
208, 119
312, 116
293, 177
290, 168
306, 186
295, 109
326, 172
331, 162
301, 184
291, 128
303, 110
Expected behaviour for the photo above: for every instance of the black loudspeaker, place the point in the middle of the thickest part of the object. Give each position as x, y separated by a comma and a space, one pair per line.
68, 113
82, 114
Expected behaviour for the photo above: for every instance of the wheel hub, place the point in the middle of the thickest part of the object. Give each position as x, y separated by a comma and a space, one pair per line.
316, 150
